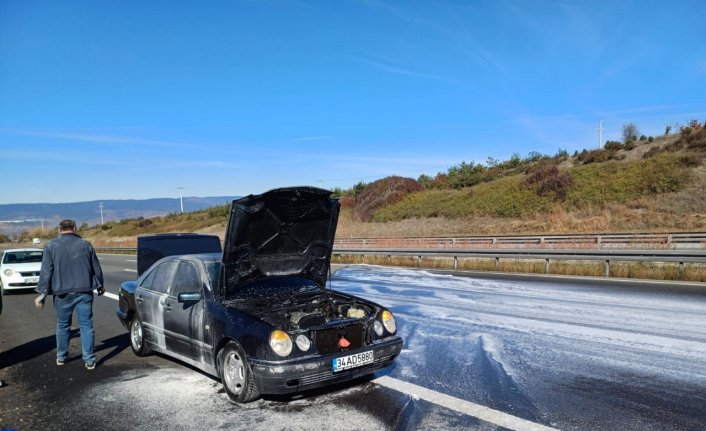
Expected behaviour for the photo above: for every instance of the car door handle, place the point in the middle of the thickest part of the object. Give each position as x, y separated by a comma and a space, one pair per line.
163, 302
138, 298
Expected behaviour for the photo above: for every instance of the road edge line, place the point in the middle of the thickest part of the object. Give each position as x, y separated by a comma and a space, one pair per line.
483, 413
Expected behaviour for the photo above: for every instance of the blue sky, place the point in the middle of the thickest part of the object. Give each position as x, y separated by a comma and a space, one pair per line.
133, 99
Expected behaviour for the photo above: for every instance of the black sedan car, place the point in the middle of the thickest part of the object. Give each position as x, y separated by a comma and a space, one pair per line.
259, 315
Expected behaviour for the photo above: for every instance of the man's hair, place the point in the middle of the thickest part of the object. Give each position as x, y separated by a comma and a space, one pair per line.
67, 224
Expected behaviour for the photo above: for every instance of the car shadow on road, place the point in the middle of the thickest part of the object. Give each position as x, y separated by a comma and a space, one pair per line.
117, 343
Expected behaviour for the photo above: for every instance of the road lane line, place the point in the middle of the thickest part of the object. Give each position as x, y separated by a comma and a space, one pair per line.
462, 406
129, 270
483, 413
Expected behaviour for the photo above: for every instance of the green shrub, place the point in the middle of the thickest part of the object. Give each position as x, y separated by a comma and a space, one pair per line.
615, 145
595, 156
219, 211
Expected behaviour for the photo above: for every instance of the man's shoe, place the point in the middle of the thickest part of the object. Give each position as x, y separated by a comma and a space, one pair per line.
60, 362
90, 366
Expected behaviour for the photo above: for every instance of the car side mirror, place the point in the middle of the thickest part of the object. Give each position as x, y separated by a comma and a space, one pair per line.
188, 297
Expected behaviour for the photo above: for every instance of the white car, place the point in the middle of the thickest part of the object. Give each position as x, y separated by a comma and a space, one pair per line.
19, 268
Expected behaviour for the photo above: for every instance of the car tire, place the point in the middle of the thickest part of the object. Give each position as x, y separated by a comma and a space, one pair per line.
137, 338
236, 375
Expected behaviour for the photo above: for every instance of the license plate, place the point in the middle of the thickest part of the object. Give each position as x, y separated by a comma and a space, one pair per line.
32, 280
352, 361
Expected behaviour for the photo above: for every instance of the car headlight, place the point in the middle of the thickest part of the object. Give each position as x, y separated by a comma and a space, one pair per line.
377, 327
9, 272
388, 322
303, 342
280, 342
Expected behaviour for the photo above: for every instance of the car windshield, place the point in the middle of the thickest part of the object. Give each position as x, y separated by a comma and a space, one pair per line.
214, 270
275, 289
29, 256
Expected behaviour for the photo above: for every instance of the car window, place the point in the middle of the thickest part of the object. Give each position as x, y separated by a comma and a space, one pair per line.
187, 279
23, 257
159, 279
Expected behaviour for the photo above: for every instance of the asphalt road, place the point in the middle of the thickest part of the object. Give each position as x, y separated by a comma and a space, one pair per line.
480, 354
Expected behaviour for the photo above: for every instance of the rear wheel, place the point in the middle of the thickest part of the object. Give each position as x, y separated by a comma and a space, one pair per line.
236, 375
137, 338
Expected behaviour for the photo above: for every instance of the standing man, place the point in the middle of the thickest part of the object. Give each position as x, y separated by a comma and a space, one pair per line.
70, 272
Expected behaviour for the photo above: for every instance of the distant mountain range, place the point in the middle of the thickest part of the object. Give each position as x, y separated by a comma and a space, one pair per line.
15, 218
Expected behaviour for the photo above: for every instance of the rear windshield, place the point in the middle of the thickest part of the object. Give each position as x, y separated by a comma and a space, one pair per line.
151, 249
23, 257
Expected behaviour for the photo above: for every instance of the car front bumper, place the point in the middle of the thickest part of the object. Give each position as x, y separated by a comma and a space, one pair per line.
123, 317
284, 377
12, 283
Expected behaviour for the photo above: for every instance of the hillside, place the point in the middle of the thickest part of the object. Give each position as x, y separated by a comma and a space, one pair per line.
650, 184
645, 184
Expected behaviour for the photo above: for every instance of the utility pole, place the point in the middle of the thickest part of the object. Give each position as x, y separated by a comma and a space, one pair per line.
181, 199
101, 207
600, 134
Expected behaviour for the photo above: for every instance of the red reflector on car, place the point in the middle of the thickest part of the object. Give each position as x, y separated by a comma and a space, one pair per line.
343, 343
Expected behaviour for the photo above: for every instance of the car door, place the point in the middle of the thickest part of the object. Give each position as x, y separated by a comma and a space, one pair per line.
150, 297
179, 317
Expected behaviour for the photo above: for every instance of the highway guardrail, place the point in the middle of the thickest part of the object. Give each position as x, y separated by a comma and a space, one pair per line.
631, 241
605, 256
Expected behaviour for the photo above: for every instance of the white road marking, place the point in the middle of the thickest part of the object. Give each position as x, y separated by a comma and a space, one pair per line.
462, 406
483, 413
129, 270
131, 260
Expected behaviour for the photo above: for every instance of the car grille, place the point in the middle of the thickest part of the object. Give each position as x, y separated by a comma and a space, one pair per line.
326, 340
29, 273
323, 376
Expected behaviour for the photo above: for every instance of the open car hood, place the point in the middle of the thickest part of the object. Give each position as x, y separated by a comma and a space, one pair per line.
282, 232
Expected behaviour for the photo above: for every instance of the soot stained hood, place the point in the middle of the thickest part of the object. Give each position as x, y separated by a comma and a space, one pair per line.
282, 232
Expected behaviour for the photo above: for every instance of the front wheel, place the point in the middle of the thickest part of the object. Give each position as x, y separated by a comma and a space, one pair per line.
236, 375
137, 338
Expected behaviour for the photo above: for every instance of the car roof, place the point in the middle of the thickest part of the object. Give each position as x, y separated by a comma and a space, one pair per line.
205, 257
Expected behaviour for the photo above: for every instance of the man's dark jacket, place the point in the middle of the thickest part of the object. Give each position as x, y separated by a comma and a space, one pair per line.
69, 265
